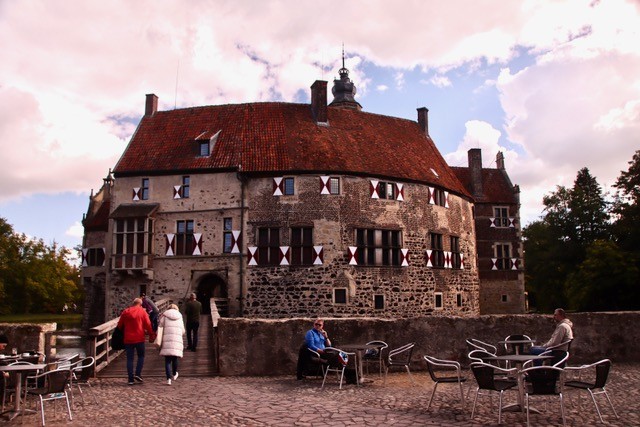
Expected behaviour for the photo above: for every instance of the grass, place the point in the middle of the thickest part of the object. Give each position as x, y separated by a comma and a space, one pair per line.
41, 318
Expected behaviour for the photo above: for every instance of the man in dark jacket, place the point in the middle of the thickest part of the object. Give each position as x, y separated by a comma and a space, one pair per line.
192, 310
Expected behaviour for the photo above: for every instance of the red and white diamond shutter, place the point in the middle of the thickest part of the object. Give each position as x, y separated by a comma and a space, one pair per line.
318, 255
447, 259
197, 244
373, 189
461, 261
514, 263
324, 185
278, 186
353, 250
432, 196
252, 255
446, 199
235, 241
136, 193
400, 192
170, 241
177, 191
404, 261
285, 255
429, 257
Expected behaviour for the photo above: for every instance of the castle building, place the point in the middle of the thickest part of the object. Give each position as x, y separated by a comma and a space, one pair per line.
280, 210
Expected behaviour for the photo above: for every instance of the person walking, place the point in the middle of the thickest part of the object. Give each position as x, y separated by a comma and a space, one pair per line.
171, 346
193, 310
135, 322
152, 310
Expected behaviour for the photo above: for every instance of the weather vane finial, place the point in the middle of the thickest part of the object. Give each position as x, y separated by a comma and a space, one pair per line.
343, 55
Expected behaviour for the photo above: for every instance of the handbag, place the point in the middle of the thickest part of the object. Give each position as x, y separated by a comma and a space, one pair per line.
117, 339
158, 340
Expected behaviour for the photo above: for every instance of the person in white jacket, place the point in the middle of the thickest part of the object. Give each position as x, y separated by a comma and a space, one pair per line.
172, 345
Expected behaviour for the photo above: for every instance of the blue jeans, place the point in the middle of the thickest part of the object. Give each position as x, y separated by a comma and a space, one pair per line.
138, 348
170, 366
537, 350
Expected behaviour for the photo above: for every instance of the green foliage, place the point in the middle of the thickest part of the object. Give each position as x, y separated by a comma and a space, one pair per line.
606, 280
575, 257
34, 277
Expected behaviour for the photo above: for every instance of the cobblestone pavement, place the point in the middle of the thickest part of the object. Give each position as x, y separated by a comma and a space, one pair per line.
283, 401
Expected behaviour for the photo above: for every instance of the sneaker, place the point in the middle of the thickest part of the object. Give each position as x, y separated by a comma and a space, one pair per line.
138, 378
130, 382
169, 381
175, 377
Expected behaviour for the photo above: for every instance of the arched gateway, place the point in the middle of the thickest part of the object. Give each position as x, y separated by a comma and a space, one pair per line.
212, 286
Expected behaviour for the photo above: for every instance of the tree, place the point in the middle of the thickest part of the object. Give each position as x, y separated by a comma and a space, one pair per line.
574, 219
34, 277
626, 207
606, 280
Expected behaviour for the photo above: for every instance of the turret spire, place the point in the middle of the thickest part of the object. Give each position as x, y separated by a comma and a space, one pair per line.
344, 90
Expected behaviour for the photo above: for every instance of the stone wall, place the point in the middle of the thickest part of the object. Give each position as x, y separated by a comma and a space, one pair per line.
270, 347
28, 336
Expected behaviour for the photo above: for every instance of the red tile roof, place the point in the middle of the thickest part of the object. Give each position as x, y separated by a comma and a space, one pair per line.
282, 138
496, 185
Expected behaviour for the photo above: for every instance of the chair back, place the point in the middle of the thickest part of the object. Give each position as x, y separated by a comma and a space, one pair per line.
375, 353
484, 375
481, 356
602, 372
511, 348
474, 344
81, 370
543, 380
401, 355
56, 381
434, 363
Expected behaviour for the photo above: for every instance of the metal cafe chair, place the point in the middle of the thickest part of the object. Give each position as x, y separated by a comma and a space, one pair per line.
375, 355
337, 364
400, 356
492, 379
81, 373
595, 387
515, 348
56, 386
444, 371
543, 381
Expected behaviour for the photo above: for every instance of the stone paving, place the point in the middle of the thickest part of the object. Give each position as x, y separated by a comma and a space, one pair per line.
283, 401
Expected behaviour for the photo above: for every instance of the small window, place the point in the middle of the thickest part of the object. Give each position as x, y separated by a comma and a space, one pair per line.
340, 296
455, 252
184, 237
301, 245
378, 302
504, 298
144, 189
186, 182
334, 185
438, 250
204, 149
269, 246
501, 216
437, 300
502, 254
459, 300
387, 190
288, 187
439, 198
227, 239
95, 257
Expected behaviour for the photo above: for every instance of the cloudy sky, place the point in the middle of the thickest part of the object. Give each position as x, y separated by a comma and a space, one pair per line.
555, 85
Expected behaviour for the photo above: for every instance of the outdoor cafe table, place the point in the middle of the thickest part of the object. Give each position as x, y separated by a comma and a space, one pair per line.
359, 349
19, 370
519, 360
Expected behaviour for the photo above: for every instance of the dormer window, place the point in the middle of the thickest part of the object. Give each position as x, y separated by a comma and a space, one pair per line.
206, 142
204, 149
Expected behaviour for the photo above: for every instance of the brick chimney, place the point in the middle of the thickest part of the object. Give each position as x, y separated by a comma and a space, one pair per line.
500, 160
423, 119
319, 101
151, 106
475, 167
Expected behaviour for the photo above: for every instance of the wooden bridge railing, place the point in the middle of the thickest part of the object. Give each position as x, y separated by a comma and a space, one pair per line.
99, 340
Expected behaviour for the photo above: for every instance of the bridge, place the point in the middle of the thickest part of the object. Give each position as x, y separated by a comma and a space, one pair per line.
201, 363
